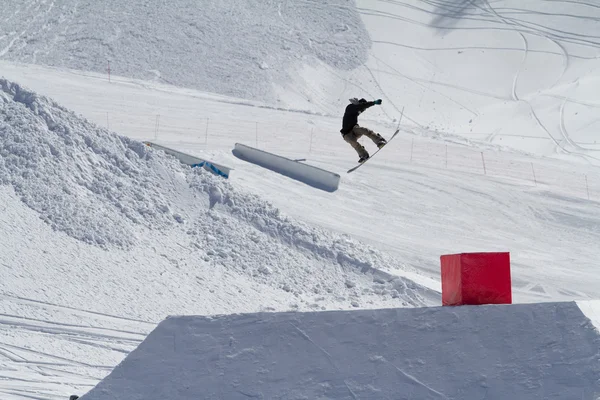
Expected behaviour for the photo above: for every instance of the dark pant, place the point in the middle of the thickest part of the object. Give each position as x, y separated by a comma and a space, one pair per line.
356, 133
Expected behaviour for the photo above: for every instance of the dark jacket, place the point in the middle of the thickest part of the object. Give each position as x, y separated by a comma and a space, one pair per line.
351, 115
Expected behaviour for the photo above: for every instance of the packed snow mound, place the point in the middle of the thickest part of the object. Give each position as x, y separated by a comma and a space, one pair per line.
112, 192
65, 168
521, 352
254, 237
231, 47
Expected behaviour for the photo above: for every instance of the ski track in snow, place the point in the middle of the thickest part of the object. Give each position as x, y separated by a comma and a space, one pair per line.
491, 10
543, 127
561, 127
234, 252
565, 133
564, 53
57, 354
49, 156
566, 61
417, 82
83, 313
518, 73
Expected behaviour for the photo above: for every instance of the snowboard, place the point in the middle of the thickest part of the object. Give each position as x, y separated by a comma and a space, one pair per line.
373, 155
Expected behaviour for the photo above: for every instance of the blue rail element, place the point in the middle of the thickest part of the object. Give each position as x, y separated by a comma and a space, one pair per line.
212, 168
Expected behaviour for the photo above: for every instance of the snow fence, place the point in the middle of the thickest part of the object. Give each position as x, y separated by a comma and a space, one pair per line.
308, 174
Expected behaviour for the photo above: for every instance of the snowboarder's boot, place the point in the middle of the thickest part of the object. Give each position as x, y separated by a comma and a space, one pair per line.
363, 159
381, 143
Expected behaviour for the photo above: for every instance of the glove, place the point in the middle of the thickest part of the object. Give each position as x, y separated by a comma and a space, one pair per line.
378, 101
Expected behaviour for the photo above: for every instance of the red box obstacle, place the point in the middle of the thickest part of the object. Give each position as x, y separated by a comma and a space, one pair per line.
476, 278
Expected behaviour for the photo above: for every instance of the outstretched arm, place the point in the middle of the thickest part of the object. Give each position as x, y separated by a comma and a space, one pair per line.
364, 106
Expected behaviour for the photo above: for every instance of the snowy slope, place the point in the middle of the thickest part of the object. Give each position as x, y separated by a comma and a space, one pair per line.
161, 267
87, 270
407, 202
515, 73
225, 47
98, 224
115, 193
521, 74
522, 352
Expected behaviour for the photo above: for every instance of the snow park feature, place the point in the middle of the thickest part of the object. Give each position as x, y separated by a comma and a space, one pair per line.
476, 278
102, 238
520, 352
192, 161
308, 174
119, 236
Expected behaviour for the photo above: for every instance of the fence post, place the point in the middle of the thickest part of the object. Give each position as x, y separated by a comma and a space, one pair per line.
312, 130
483, 162
534, 178
107, 124
412, 144
206, 135
587, 187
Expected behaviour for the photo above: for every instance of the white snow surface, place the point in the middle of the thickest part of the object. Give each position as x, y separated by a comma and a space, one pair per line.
515, 73
64, 168
115, 193
227, 47
521, 352
214, 246
102, 238
98, 224
409, 202
591, 309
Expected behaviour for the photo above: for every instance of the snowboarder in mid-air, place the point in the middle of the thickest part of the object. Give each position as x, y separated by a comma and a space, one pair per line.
351, 131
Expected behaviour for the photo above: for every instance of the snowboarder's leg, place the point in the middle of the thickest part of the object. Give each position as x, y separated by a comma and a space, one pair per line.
375, 137
352, 139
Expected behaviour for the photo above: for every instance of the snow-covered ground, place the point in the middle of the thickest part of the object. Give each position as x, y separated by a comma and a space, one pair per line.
522, 74
97, 224
410, 202
226, 47
521, 352
103, 237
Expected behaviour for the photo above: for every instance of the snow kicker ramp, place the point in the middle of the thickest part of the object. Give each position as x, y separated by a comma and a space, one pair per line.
518, 352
